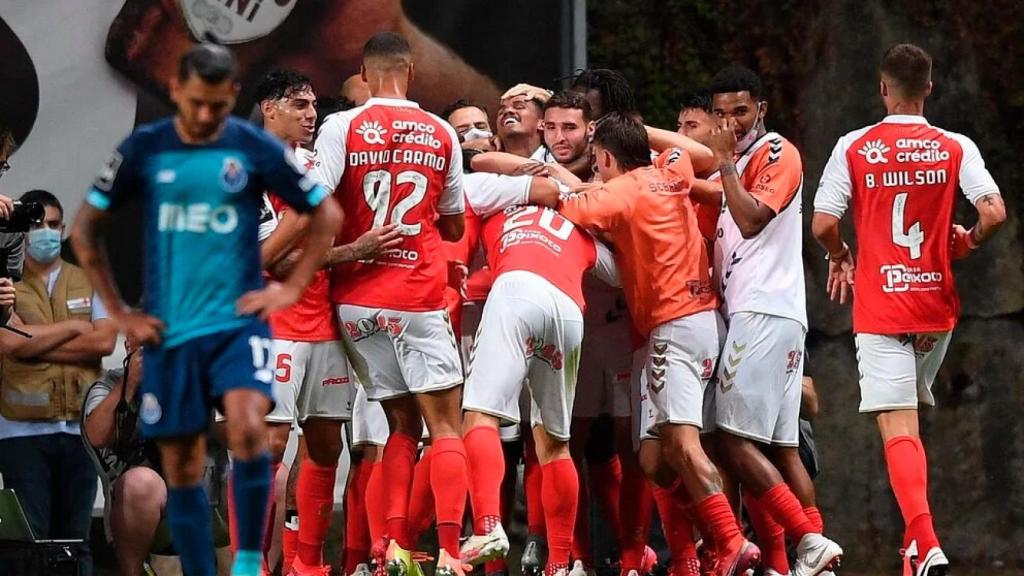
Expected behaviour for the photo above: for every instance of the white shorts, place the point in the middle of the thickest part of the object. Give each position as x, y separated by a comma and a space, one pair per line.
395, 353
369, 424
530, 333
645, 415
759, 379
312, 380
681, 357
606, 355
896, 372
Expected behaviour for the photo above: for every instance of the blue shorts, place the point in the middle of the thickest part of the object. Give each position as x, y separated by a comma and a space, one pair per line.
181, 385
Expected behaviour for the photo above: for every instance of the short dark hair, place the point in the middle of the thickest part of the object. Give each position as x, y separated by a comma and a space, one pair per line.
43, 197
572, 101
213, 63
624, 136
699, 100
329, 105
909, 68
459, 105
278, 84
736, 78
616, 93
388, 45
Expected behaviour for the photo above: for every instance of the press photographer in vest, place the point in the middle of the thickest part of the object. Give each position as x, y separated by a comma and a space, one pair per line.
42, 456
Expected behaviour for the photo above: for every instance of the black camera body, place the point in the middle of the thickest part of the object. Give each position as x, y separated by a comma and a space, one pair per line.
12, 237
25, 214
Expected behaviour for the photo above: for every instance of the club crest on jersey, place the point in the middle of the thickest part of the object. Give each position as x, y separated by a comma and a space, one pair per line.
233, 176
874, 152
150, 411
372, 132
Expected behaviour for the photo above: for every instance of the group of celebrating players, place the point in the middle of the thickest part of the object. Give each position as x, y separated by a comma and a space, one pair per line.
370, 242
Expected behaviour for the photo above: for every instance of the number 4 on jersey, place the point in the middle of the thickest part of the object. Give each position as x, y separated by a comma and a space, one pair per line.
914, 236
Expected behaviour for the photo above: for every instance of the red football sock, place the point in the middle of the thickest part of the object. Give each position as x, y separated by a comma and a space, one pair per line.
716, 514
397, 469
495, 566
908, 474
449, 478
421, 499
606, 488
357, 530
559, 492
675, 521
376, 503
289, 540
771, 538
635, 506
487, 470
532, 482
314, 496
814, 515
780, 502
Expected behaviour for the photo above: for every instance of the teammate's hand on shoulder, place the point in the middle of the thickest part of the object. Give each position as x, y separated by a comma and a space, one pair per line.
960, 242
722, 139
376, 241
562, 174
529, 91
841, 270
271, 298
145, 329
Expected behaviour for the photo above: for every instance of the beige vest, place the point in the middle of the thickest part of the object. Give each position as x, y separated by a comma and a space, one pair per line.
43, 390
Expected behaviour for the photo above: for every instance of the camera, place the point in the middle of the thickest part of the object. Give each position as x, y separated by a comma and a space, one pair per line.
25, 214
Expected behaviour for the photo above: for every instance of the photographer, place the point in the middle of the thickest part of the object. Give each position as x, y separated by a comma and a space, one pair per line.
41, 455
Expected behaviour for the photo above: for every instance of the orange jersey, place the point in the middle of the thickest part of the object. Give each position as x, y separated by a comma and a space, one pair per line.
659, 249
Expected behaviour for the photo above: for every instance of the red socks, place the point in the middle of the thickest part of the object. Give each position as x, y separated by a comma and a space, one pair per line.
560, 488
715, 513
397, 468
673, 508
487, 466
357, 530
814, 515
532, 482
780, 502
376, 504
421, 499
908, 475
771, 538
606, 487
314, 496
449, 478
635, 506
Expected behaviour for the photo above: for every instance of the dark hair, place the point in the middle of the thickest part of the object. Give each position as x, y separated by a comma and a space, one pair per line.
572, 101
699, 100
386, 45
625, 137
43, 197
329, 105
279, 84
459, 105
616, 93
909, 68
736, 78
213, 63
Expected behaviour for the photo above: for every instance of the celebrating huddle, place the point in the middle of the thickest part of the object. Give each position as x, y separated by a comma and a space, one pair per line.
369, 250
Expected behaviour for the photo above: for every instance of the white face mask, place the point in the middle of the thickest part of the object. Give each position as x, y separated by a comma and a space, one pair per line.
475, 134
750, 137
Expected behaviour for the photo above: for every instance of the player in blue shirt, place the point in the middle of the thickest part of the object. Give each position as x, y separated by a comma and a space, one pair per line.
200, 176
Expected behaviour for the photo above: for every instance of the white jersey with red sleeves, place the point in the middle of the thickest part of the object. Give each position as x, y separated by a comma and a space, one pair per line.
518, 236
389, 162
901, 176
765, 274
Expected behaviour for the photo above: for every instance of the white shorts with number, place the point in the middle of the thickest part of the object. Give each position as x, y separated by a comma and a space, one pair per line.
606, 354
897, 371
395, 353
369, 424
681, 356
530, 334
759, 379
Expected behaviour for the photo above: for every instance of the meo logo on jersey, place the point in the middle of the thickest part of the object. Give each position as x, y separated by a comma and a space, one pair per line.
899, 278
233, 176
874, 152
372, 132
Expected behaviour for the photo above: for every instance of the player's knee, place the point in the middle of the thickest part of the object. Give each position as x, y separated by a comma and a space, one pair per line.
277, 441
325, 453
141, 488
549, 448
652, 464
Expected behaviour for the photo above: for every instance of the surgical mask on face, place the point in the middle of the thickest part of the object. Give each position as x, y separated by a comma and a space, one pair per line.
44, 245
475, 134
750, 137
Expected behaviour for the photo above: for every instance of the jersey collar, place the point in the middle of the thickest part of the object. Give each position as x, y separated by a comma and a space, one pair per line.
392, 102
904, 119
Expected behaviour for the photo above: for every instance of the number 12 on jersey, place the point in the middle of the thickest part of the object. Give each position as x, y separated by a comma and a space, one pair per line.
914, 236
377, 186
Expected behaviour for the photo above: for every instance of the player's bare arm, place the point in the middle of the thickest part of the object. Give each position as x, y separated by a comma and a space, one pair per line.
702, 158
841, 265
991, 216
751, 214
371, 244
92, 256
282, 240
324, 220
451, 226
707, 192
